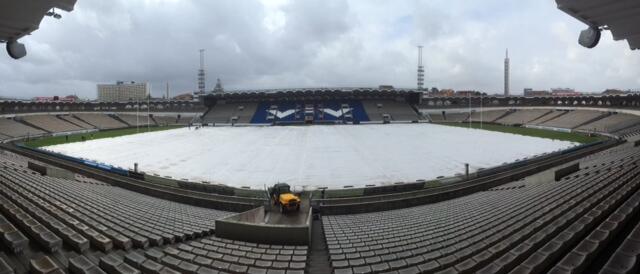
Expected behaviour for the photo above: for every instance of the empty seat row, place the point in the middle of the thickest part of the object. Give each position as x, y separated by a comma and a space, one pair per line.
47, 239
97, 239
69, 235
50, 123
143, 222
214, 254
12, 237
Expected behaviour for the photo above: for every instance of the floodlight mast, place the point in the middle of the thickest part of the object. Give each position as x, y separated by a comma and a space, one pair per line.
420, 70
201, 74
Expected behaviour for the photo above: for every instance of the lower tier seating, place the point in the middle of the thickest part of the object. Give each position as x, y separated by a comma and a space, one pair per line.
51, 225
101, 121
525, 229
486, 116
50, 123
522, 116
11, 129
136, 120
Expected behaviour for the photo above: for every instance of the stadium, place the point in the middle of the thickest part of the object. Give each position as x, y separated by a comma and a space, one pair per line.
555, 210
322, 180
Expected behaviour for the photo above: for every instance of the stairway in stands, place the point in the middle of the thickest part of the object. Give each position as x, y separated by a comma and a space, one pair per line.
319, 257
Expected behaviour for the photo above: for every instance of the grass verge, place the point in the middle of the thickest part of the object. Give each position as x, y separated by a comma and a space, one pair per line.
533, 132
57, 140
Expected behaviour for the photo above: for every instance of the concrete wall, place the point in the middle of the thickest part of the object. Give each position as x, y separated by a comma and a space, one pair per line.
160, 180
51, 171
249, 226
562, 172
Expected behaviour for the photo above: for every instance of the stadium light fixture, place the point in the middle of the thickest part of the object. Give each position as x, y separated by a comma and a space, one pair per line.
590, 37
52, 13
16, 49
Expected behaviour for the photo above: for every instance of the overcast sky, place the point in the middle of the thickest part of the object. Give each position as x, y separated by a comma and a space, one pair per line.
324, 43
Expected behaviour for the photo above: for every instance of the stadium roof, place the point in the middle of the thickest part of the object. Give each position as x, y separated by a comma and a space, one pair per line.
621, 17
310, 92
20, 18
321, 89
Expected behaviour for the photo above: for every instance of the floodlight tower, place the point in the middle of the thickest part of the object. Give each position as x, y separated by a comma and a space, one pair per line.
201, 79
506, 73
420, 70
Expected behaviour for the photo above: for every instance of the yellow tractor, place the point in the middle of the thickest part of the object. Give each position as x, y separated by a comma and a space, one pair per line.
281, 195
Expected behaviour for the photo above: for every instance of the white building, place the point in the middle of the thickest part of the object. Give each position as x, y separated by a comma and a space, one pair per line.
123, 91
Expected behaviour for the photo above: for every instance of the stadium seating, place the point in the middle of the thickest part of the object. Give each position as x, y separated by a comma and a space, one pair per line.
84, 226
101, 121
625, 257
448, 117
574, 119
225, 113
399, 111
527, 229
522, 116
220, 113
136, 120
4, 137
73, 120
212, 254
12, 129
50, 123
184, 120
140, 213
436, 117
163, 120
486, 116
549, 116
587, 222
456, 117
324, 111
612, 123
628, 132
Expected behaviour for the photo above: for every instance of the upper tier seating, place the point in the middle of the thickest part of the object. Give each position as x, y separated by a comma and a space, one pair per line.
573, 119
11, 128
522, 116
50, 123
101, 121
530, 228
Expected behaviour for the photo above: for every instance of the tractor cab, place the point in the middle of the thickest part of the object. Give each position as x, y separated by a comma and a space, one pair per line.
281, 195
